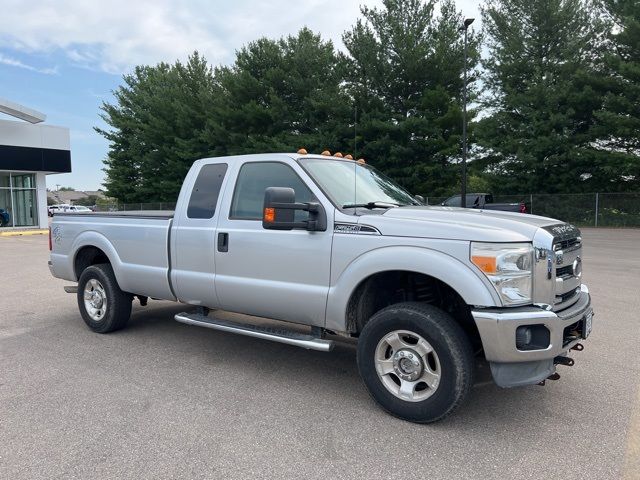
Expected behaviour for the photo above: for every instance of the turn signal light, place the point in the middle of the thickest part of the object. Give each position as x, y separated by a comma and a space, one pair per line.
269, 215
486, 264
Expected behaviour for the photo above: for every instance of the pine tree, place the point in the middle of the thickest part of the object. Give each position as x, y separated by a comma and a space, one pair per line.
281, 95
543, 95
619, 120
405, 76
157, 129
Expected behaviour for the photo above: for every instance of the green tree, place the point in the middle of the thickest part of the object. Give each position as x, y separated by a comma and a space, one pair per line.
619, 120
280, 95
543, 92
157, 129
405, 77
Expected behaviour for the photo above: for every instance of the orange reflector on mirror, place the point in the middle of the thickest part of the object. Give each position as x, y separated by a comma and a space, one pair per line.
269, 215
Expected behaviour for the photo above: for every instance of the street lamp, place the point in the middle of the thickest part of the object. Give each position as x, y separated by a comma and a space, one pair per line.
463, 198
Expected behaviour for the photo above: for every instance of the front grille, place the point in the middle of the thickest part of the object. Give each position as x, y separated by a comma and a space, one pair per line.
569, 244
567, 247
566, 296
564, 271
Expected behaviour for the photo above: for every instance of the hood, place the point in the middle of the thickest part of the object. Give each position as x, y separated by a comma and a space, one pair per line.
457, 224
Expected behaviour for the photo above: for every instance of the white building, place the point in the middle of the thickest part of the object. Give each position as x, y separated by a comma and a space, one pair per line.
29, 151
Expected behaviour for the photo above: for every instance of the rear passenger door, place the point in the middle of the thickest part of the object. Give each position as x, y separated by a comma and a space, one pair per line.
193, 237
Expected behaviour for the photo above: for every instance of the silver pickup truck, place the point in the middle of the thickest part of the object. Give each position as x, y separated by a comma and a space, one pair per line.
334, 246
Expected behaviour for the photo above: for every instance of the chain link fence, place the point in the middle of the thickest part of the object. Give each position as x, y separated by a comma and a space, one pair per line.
126, 207
582, 209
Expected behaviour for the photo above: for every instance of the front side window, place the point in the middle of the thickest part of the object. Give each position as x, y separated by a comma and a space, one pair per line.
255, 178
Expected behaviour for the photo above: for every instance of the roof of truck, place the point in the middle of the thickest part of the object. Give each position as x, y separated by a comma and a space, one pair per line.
272, 156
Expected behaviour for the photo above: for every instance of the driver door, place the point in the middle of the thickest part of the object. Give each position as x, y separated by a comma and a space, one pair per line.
281, 274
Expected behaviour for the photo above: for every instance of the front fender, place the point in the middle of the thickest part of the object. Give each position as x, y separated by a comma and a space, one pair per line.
469, 284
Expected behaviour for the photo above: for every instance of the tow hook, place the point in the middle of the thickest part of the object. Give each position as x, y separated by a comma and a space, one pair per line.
560, 360
578, 347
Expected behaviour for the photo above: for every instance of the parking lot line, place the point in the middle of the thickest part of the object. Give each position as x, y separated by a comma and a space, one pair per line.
15, 233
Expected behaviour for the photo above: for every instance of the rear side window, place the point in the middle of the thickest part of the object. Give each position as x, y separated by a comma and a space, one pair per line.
255, 178
206, 190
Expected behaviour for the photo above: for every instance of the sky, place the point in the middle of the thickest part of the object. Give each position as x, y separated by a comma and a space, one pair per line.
65, 57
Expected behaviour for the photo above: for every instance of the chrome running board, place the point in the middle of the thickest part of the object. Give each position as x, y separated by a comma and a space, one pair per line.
258, 331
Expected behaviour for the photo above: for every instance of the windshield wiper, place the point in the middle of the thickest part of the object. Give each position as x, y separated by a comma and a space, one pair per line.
371, 205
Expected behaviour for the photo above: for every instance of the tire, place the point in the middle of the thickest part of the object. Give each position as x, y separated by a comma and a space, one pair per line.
107, 308
435, 383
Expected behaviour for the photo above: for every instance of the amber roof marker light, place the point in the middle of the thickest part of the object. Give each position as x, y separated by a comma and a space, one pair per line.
326, 153
302, 151
348, 156
337, 154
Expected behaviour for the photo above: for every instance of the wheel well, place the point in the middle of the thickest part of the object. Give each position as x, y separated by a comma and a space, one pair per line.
86, 257
386, 288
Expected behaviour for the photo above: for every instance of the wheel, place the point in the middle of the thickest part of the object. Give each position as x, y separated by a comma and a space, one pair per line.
103, 306
416, 361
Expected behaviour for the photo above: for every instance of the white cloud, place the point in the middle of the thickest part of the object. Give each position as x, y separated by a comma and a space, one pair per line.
13, 62
115, 35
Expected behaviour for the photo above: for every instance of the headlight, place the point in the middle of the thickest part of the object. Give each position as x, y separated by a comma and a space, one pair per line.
509, 267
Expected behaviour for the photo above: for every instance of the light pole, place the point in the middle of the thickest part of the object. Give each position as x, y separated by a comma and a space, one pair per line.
463, 198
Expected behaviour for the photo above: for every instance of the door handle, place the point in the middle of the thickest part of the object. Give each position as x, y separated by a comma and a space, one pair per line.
223, 242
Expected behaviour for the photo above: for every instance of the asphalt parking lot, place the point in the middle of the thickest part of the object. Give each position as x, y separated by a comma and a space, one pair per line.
166, 400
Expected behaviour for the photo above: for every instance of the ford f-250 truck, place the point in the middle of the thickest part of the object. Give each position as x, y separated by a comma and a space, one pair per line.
334, 245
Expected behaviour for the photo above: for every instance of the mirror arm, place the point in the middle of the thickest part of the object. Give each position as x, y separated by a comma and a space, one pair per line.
307, 207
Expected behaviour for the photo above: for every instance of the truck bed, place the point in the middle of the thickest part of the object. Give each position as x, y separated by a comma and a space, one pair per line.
136, 244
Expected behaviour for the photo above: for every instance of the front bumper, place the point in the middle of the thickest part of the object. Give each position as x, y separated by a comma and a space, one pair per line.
513, 367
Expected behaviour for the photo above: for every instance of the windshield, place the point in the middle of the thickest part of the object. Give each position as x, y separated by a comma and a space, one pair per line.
348, 183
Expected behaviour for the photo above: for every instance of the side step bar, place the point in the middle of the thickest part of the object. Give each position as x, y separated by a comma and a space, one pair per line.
257, 331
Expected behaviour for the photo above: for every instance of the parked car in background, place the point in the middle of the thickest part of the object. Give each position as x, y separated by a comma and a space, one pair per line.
5, 218
484, 201
78, 209
65, 208
53, 209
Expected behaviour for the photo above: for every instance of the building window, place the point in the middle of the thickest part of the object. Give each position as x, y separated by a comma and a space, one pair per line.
18, 203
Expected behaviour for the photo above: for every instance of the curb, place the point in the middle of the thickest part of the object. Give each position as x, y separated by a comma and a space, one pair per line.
15, 233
